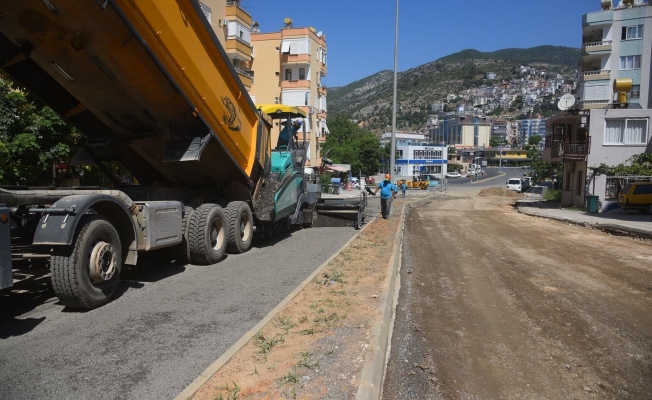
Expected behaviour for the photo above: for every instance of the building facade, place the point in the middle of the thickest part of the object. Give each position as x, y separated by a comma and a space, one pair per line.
289, 66
232, 26
605, 127
412, 159
461, 131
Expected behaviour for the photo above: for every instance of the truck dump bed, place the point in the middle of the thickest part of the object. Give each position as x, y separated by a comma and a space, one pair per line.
145, 80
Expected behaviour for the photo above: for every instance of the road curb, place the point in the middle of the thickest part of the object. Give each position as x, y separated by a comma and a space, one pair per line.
373, 371
612, 228
489, 179
190, 390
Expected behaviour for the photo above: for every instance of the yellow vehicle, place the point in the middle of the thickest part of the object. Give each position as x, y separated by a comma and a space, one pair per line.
151, 87
637, 196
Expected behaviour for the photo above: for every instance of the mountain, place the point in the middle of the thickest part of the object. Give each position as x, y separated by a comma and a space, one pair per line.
541, 54
369, 100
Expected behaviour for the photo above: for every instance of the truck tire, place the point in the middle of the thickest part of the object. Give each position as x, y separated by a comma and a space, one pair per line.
86, 273
241, 227
207, 234
181, 252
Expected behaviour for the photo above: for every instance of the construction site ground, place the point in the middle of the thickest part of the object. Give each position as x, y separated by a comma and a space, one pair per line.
497, 304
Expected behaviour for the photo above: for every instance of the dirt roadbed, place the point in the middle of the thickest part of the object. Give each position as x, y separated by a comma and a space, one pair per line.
496, 304
315, 347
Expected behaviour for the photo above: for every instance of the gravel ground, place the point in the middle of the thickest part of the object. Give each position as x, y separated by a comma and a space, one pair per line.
167, 324
494, 304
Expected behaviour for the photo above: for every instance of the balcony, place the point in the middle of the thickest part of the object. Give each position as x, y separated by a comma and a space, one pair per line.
233, 12
576, 151
594, 47
592, 104
295, 59
596, 75
323, 91
323, 69
246, 77
238, 48
295, 84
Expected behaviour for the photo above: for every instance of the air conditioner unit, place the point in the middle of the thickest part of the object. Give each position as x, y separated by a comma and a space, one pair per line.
225, 22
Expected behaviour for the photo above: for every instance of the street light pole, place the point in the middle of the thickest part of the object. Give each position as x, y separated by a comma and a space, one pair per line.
392, 154
500, 163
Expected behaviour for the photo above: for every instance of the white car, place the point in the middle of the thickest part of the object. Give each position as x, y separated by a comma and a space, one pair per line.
453, 175
515, 184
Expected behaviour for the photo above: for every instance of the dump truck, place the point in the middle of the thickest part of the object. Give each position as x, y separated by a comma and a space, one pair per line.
151, 87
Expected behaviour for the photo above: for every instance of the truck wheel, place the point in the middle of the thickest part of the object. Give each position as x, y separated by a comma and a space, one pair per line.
241, 227
207, 234
86, 273
181, 252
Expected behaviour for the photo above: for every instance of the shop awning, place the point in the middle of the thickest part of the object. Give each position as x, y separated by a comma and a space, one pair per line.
338, 167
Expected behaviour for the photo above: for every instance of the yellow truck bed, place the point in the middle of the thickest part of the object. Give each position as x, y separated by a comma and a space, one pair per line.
147, 82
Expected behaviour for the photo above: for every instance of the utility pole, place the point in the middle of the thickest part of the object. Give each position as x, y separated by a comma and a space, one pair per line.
392, 154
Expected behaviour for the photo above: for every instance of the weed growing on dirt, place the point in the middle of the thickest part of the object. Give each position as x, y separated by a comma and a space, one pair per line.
284, 323
266, 343
309, 331
328, 320
303, 318
233, 392
334, 275
291, 377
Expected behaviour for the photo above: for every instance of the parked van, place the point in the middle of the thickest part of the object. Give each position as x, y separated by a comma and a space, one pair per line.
638, 196
515, 184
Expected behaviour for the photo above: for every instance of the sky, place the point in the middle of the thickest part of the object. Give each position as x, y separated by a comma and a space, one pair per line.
360, 34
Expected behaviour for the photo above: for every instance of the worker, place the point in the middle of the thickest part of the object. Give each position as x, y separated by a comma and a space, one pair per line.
387, 193
403, 188
284, 136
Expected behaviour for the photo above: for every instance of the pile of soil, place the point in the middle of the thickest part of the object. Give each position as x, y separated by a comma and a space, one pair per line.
498, 191
265, 200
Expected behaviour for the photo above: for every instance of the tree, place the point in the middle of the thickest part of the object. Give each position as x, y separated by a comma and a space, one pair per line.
32, 137
495, 141
349, 144
534, 140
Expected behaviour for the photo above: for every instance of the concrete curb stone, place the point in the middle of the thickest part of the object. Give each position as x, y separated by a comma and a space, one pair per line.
629, 231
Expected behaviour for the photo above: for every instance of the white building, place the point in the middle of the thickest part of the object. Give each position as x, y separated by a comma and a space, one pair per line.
411, 159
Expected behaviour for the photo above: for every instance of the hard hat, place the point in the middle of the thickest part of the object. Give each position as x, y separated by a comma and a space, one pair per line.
387, 176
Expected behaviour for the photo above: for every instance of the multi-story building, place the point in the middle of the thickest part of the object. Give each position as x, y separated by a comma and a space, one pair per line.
499, 129
606, 126
289, 66
232, 25
531, 127
461, 131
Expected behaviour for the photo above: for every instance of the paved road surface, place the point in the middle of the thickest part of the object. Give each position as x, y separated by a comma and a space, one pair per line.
494, 304
167, 325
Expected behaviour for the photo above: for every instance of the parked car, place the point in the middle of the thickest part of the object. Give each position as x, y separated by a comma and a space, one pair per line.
527, 183
638, 196
453, 175
535, 192
515, 184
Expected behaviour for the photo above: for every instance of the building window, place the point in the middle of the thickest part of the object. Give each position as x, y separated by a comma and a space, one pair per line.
630, 62
635, 92
277, 73
288, 74
632, 32
277, 48
626, 131
302, 73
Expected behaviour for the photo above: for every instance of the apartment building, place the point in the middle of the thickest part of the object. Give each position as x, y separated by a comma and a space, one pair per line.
233, 25
462, 131
531, 127
289, 66
610, 121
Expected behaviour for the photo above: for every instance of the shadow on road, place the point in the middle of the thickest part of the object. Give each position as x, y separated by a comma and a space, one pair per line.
34, 289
